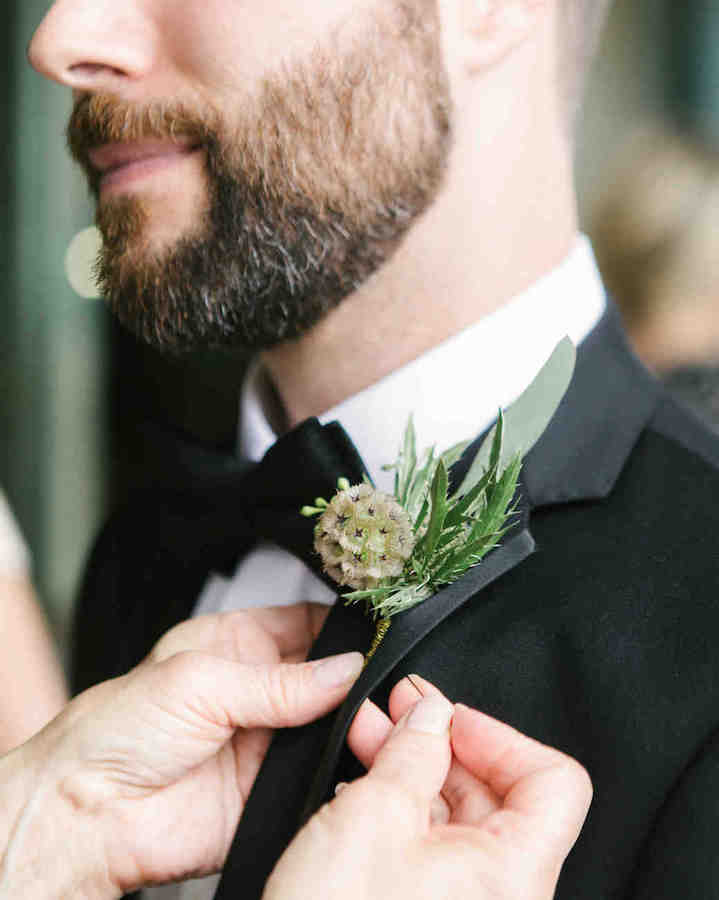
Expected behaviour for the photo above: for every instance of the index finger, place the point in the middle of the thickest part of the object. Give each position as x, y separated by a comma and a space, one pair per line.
547, 788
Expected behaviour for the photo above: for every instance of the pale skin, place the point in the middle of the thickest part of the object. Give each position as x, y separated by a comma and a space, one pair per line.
88, 802
127, 759
35, 688
511, 155
513, 808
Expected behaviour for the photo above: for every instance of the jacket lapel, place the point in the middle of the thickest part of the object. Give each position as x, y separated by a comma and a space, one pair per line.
601, 417
579, 457
406, 631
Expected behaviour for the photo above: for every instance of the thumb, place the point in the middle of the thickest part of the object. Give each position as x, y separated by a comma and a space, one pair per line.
276, 695
414, 761
188, 706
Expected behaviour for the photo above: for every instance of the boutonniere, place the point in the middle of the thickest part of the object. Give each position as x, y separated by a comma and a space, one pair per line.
396, 550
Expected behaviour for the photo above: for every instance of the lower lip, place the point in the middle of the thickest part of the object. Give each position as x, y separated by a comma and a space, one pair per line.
123, 176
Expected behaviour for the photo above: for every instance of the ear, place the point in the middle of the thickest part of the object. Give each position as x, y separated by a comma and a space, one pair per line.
492, 29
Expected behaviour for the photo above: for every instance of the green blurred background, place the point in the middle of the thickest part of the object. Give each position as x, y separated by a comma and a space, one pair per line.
74, 389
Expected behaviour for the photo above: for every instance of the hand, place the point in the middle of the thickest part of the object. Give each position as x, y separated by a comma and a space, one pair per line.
511, 812
143, 779
269, 635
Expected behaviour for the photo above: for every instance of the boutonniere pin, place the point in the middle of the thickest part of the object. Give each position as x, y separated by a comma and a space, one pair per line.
396, 550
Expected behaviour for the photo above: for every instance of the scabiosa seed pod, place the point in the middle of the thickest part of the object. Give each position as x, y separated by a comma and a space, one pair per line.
363, 535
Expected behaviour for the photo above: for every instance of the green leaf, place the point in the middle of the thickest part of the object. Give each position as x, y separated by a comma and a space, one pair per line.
419, 487
407, 462
422, 515
527, 418
419, 568
450, 457
483, 469
502, 492
403, 599
457, 566
438, 510
487, 529
497, 442
449, 535
461, 507
356, 596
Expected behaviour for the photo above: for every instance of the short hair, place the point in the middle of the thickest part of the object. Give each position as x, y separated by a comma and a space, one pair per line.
581, 24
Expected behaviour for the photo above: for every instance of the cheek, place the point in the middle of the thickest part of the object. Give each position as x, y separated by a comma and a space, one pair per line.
225, 45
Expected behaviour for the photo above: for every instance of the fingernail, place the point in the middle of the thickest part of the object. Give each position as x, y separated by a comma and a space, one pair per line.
338, 670
431, 715
341, 785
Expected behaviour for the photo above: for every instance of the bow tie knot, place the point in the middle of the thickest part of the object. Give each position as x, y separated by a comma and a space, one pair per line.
303, 464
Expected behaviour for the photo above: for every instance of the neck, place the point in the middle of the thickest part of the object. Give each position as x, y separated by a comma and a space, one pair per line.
461, 260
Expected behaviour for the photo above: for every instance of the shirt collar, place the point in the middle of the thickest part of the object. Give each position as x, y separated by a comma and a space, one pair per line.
455, 389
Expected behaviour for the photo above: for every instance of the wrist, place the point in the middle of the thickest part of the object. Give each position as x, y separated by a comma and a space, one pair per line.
48, 849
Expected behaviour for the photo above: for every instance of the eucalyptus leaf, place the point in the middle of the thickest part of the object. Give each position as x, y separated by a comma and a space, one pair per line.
527, 418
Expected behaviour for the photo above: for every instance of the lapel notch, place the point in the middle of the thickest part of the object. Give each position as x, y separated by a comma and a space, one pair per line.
611, 399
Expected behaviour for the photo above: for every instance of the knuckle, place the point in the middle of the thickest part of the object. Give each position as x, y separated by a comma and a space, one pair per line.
186, 671
183, 664
577, 779
355, 810
173, 641
584, 781
280, 692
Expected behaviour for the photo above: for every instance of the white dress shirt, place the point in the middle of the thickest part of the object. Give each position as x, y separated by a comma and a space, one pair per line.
453, 391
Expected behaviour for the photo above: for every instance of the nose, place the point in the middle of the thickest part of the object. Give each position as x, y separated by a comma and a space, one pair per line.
93, 45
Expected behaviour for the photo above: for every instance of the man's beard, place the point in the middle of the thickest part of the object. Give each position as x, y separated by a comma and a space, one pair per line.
310, 191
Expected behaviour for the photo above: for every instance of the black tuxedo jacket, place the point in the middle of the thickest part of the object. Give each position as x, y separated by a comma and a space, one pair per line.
593, 628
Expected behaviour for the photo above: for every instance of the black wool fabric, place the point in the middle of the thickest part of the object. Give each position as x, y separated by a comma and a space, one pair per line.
592, 628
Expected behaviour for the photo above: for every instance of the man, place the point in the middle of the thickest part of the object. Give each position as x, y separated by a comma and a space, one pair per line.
378, 197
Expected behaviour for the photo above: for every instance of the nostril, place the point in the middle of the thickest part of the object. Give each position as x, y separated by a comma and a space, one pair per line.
87, 55
92, 70
90, 76
88, 69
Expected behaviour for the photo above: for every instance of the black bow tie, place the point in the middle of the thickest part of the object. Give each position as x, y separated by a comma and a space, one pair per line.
303, 464
229, 503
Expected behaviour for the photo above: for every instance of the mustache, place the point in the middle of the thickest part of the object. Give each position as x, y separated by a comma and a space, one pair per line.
98, 119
